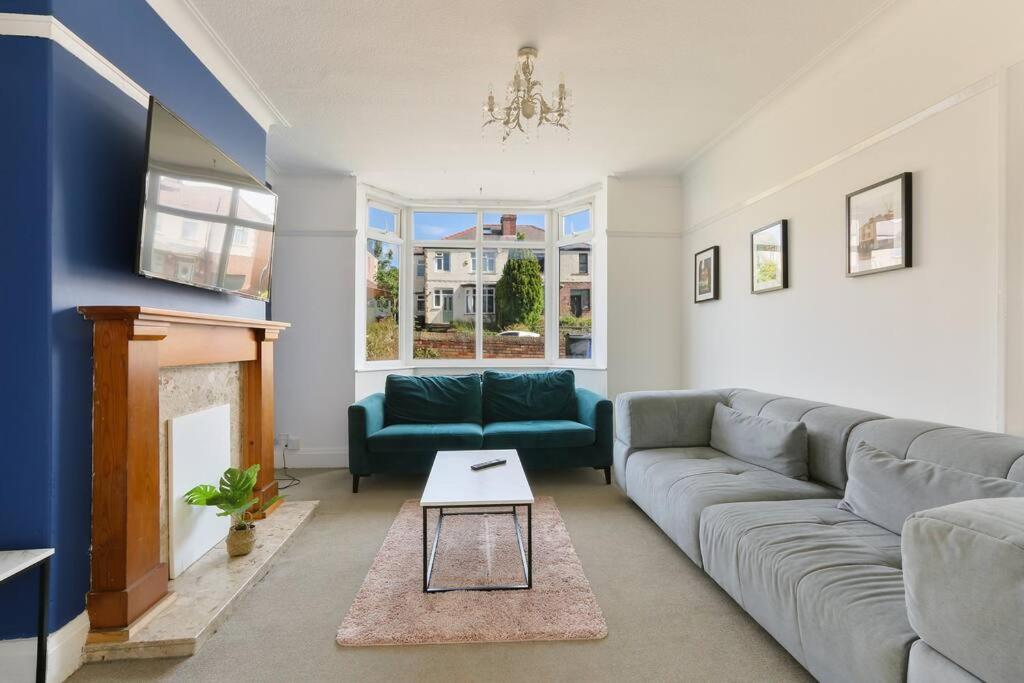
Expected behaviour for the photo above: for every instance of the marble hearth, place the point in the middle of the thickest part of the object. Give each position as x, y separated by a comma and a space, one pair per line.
204, 595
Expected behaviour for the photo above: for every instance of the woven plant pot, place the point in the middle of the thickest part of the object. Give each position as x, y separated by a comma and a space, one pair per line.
241, 541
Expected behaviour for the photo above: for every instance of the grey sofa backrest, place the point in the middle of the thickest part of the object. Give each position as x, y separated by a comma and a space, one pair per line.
985, 453
828, 428
655, 419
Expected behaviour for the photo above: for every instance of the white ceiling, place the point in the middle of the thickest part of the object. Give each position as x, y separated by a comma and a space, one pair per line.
392, 89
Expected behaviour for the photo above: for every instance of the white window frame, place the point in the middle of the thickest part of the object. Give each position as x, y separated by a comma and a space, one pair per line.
365, 233
396, 211
554, 239
571, 211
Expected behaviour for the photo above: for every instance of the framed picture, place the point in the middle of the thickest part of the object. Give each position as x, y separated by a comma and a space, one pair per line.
705, 275
769, 258
878, 227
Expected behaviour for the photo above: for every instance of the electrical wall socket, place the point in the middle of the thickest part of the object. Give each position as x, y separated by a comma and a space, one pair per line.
292, 443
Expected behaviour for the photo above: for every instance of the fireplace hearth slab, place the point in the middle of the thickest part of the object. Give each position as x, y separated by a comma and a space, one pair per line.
206, 593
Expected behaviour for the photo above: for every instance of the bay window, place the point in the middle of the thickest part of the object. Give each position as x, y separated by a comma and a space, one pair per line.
478, 285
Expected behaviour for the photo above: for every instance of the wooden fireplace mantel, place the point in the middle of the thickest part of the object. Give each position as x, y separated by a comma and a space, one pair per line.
130, 345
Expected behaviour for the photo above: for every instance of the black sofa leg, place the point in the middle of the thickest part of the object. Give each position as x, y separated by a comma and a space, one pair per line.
355, 483
608, 475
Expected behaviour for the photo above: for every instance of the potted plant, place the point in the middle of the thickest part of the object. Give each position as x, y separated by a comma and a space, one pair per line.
234, 498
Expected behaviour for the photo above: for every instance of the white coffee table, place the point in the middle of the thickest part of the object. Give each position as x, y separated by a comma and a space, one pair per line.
452, 484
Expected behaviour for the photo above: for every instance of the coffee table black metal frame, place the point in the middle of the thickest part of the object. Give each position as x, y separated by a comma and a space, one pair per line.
525, 552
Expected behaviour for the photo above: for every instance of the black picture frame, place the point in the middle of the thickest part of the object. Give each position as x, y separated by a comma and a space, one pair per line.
709, 255
869, 240
783, 226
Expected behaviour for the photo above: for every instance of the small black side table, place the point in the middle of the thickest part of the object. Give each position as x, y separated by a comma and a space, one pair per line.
13, 563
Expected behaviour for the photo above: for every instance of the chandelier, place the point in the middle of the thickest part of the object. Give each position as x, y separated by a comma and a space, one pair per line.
524, 101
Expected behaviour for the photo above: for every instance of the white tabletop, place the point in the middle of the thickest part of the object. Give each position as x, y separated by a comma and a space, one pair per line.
13, 561
451, 482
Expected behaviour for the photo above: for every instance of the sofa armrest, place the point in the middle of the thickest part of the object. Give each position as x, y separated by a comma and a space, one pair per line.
963, 568
364, 418
660, 419
595, 411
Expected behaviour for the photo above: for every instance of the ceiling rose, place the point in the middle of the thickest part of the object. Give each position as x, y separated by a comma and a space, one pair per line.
524, 101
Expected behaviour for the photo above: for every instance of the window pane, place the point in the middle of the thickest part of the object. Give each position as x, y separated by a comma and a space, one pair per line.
259, 207
515, 226
512, 304
194, 195
382, 262
575, 301
446, 327
384, 221
576, 223
441, 225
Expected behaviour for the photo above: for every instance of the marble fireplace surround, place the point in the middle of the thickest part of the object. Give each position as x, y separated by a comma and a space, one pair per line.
150, 364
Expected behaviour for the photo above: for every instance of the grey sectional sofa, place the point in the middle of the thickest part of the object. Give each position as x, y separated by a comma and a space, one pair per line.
848, 598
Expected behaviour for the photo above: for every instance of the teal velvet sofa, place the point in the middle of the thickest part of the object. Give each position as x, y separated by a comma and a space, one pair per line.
542, 415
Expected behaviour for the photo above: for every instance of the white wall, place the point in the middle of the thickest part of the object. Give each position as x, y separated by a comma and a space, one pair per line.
923, 88
645, 289
314, 256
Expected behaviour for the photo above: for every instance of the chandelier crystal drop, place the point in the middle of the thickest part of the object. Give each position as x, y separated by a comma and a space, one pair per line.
525, 101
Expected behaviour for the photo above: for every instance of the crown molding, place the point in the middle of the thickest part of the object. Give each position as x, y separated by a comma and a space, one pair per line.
48, 27
185, 20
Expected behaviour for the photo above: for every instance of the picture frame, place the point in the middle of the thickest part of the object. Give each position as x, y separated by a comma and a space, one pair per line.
769, 258
705, 275
879, 222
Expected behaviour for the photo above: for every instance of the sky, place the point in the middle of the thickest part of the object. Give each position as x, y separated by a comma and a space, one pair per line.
437, 225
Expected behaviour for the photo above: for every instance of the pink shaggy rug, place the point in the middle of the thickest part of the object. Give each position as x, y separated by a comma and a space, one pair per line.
392, 609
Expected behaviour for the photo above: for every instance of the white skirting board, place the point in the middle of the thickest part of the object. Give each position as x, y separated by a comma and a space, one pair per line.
63, 647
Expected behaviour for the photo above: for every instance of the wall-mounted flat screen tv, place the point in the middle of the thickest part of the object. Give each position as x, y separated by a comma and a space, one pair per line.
206, 221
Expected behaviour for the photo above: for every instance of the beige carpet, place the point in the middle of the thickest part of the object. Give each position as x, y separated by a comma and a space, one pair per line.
392, 609
667, 620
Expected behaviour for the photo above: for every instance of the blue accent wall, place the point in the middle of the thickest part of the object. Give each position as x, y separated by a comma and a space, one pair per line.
26, 455
76, 178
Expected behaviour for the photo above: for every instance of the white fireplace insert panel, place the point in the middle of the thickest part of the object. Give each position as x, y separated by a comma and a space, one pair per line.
199, 449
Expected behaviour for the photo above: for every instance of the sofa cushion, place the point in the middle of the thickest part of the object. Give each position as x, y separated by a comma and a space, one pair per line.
513, 396
432, 400
828, 429
674, 485
928, 666
408, 438
964, 565
778, 445
885, 490
825, 583
538, 434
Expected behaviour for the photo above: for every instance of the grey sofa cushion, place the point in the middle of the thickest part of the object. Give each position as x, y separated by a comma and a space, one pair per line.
777, 445
828, 428
674, 485
824, 583
964, 567
886, 490
928, 666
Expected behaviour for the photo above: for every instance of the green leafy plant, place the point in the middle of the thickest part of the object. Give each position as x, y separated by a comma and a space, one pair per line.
233, 496
520, 291
382, 339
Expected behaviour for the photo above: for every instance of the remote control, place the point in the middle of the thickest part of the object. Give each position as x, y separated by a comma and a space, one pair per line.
489, 463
